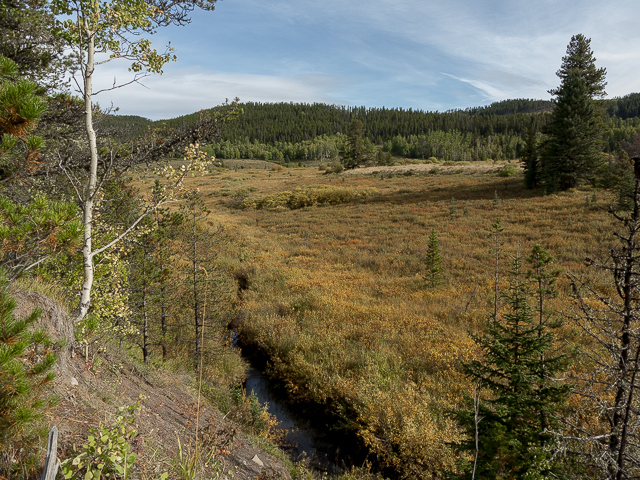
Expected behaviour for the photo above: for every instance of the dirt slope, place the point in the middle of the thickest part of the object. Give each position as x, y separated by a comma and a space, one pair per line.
90, 393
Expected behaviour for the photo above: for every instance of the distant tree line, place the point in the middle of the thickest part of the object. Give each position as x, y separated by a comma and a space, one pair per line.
320, 148
295, 122
284, 132
624, 107
271, 123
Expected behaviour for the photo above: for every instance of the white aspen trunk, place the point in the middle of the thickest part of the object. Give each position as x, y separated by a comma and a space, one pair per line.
89, 191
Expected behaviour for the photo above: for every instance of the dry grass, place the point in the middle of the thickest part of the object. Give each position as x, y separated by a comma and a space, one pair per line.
338, 301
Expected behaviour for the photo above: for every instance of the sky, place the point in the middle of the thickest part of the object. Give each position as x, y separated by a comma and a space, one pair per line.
421, 54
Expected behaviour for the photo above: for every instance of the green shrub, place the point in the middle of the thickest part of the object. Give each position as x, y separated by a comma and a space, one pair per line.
336, 168
107, 453
507, 171
307, 196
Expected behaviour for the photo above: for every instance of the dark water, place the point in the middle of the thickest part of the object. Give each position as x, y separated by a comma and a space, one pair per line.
304, 436
308, 430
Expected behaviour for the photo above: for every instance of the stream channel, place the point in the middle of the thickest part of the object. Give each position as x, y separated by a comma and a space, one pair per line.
308, 431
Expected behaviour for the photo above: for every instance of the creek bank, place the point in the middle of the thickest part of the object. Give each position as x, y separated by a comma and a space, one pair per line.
89, 394
313, 431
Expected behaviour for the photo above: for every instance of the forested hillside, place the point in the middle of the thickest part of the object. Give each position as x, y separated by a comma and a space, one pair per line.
270, 123
284, 132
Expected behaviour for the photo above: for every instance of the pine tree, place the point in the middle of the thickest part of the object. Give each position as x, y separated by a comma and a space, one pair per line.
29, 232
433, 262
507, 424
530, 159
207, 288
23, 382
143, 273
572, 151
30, 36
357, 149
20, 110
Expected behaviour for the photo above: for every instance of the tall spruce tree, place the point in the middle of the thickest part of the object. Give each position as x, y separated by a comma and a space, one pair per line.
572, 151
507, 421
358, 149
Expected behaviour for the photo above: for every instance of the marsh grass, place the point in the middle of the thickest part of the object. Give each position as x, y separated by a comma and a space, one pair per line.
337, 301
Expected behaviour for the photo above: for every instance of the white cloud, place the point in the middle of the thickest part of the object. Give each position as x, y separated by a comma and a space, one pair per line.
488, 92
183, 91
527, 39
384, 52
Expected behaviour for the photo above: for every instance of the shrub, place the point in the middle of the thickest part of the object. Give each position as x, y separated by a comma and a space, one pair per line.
252, 415
107, 453
307, 196
335, 168
507, 171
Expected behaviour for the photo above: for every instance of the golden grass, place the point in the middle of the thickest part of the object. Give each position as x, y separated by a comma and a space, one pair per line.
338, 302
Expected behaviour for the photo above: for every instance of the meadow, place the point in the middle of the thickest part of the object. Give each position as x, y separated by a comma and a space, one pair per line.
337, 298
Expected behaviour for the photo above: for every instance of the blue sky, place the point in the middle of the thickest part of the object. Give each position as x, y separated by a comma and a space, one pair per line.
423, 54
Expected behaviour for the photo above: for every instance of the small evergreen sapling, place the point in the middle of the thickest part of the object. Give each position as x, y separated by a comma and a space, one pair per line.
433, 262
496, 199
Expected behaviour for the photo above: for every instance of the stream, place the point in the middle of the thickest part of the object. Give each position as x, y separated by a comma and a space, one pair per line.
307, 431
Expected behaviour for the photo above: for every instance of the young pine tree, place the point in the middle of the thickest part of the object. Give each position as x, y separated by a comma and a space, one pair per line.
433, 262
207, 288
507, 423
22, 382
